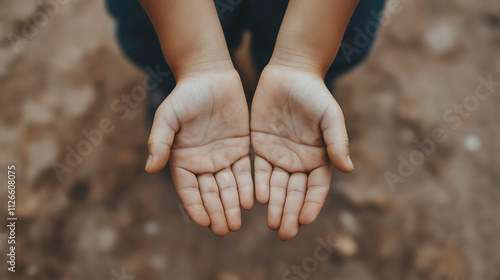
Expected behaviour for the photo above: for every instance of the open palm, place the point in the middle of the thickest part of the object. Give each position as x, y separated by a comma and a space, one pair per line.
297, 132
203, 128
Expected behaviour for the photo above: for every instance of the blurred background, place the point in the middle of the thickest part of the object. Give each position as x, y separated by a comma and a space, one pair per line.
423, 203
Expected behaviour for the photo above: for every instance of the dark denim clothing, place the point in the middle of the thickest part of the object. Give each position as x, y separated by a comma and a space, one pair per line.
138, 39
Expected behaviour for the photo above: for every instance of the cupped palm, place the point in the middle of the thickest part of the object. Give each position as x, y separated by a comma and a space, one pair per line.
202, 127
297, 132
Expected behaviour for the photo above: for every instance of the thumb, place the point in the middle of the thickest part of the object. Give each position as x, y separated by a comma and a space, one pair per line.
335, 136
160, 140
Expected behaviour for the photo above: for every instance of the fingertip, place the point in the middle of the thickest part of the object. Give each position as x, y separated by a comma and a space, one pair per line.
156, 160
344, 164
203, 221
160, 139
235, 226
285, 235
273, 218
272, 226
336, 138
341, 160
262, 194
149, 163
350, 165
233, 218
218, 225
307, 216
220, 231
198, 215
204, 224
289, 228
247, 203
305, 221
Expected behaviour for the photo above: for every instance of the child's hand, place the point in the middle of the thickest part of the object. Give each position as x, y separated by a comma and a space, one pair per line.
297, 131
203, 128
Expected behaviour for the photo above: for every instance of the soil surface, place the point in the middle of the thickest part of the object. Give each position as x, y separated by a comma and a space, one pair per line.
436, 218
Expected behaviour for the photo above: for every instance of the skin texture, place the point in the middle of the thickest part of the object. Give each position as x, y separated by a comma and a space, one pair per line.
190, 35
202, 127
311, 33
297, 128
297, 132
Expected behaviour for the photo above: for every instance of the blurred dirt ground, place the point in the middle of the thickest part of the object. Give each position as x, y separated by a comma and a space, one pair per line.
108, 217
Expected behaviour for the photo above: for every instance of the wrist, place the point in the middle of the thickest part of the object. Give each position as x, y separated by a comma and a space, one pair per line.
215, 76
199, 65
299, 60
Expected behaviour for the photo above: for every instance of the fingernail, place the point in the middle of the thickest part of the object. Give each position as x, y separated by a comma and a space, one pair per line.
148, 162
349, 162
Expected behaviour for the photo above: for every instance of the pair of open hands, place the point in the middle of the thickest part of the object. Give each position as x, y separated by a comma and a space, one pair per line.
296, 128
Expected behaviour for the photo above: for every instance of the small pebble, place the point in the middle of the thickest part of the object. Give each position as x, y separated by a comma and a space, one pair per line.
107, 239
345, 245
472, 143
151, 227
441, 38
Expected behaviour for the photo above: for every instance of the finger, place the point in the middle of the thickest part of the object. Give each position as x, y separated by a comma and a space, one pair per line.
187, 188
335, 136
279, 182
229, 196
263, 171
318, 186
161, 138
295, 194
211, 200
242, 173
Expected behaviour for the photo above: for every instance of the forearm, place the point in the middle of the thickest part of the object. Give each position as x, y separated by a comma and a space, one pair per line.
190, 35
311, 33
